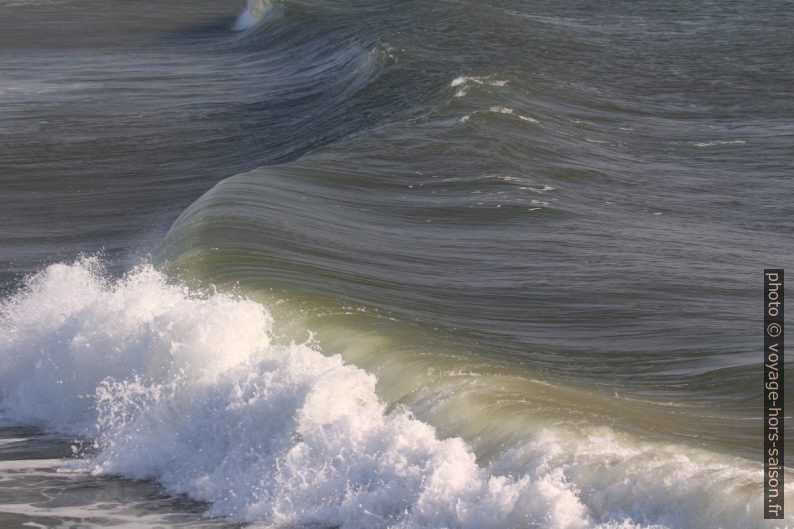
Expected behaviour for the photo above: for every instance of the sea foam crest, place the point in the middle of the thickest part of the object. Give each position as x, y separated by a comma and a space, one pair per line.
463, 83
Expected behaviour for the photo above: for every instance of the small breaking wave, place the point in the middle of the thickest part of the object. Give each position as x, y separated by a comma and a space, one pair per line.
464, 83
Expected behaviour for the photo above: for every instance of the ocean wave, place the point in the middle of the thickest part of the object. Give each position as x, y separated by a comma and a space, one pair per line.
192, 390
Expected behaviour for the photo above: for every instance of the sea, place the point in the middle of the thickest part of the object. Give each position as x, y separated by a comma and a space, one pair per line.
390, 264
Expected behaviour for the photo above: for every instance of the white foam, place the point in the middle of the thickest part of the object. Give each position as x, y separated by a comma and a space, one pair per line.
719, 142
511, 112
254, 11
191, 391
463, 83
545, 189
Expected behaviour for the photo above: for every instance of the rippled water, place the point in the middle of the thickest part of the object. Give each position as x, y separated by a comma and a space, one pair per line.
388, 264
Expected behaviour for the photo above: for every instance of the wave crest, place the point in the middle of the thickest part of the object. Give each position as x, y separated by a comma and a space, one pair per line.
191, 391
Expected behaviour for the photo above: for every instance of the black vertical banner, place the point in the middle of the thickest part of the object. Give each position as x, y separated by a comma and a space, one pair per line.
773, 394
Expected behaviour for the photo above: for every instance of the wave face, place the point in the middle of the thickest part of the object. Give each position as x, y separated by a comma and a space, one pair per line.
379, 264
192, 390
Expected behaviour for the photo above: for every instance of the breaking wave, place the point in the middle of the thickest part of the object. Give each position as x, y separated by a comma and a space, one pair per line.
192, 390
